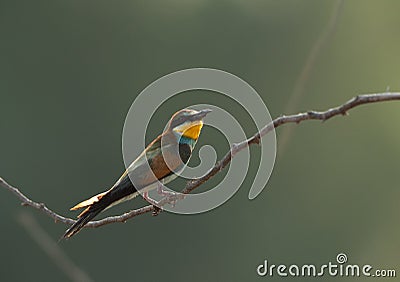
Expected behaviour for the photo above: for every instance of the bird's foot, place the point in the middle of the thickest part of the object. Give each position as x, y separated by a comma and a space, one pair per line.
163, 192
156, 204
170, 197
150, 200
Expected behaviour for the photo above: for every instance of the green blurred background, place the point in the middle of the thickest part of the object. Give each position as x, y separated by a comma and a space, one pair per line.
69, 71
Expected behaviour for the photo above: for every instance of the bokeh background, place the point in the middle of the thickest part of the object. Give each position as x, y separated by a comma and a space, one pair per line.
70, 70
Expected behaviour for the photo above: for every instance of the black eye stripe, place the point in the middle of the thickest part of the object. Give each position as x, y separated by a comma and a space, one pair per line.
183, 117
178, 121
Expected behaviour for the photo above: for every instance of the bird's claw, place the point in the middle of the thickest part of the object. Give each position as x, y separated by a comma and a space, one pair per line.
170, 197
149, 200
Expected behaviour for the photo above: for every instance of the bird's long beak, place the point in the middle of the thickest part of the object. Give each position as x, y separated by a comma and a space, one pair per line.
201, 114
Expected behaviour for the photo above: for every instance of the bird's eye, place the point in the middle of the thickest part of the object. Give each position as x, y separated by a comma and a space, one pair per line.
178, 120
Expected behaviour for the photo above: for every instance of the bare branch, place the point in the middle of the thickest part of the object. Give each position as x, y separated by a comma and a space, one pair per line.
255, 139
25, 201
221, 164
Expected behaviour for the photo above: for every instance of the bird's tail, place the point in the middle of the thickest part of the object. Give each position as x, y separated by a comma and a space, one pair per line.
77, 226
121, 191
94, 206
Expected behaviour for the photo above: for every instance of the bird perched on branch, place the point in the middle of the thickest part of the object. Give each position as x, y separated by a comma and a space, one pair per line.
169, 152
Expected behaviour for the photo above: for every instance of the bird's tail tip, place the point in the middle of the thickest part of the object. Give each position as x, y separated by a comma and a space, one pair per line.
79, 224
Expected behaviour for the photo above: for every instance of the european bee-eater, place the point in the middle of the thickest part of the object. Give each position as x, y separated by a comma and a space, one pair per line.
182, 132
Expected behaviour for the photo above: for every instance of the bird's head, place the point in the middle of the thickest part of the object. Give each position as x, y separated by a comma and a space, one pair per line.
188, 123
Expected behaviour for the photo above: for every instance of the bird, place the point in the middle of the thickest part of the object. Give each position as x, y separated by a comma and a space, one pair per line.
169, 152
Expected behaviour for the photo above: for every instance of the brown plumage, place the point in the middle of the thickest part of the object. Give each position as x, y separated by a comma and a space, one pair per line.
150, 167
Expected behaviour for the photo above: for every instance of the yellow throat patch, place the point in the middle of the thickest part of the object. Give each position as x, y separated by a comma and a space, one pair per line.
193, 131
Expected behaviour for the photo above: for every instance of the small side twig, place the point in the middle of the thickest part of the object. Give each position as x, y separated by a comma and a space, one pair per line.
221, 164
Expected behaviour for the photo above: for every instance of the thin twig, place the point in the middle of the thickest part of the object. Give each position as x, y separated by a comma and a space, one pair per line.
52, 249
221, 164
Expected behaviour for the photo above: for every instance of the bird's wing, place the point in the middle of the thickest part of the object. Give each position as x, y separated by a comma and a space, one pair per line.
142, 176
161, 161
